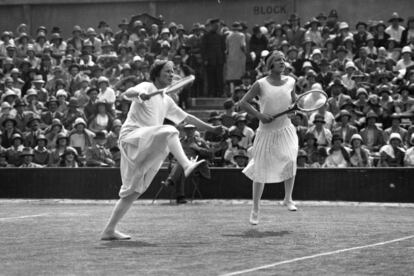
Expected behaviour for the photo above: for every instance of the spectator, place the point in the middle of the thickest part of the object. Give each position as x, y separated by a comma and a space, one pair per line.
62, 142
407, 36
213, 53
322, 134
235, 136
80, 138
344, 129
69, 159
27, 159
3, 160
381, 37
395, 128
372, 136
102, 119
41, 154
395, 30
406, 59
98, 155
359, 156
296, 34
33, 131
409, 155
228, 118
248, 133
90, 107
302, 159
235, 56
113, 136
9, 129
322, 155
338, 155
311, 148
13, 152
392, 155
241, 159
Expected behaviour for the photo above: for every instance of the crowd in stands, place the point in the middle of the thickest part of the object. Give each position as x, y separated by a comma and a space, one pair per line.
61, 105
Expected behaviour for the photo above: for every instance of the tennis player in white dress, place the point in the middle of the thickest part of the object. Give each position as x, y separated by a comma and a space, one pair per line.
275, 146
145, 142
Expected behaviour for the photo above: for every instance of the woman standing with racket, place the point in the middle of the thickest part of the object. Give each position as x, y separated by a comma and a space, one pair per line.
145, 142
275, 147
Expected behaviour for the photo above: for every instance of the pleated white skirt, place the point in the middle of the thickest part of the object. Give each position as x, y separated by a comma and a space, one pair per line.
274, 155
143, 151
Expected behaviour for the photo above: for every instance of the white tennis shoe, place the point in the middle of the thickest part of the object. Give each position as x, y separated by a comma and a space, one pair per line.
290, 205
254, 218
193, 165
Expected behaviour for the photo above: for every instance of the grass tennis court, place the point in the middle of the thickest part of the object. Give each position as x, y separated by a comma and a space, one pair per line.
53, 237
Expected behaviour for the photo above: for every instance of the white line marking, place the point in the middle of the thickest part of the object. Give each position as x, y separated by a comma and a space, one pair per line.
22, 217
316, 256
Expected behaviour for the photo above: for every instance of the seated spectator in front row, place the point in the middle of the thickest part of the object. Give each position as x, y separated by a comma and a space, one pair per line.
359, 156
98, 155
62, 142
27, 159
392, 155
80, 137
13, 152
69, 159
322, 154
234, 147
338, 155
302, 159
409, 155
41, 153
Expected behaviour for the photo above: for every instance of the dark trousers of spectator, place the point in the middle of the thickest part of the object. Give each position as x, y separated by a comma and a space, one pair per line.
177, 179
215, 80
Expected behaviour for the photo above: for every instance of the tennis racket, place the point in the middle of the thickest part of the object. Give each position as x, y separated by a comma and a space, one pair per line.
176, 86
308, 101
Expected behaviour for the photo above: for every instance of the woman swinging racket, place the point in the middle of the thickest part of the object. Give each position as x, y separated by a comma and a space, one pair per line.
145, 142
275, 147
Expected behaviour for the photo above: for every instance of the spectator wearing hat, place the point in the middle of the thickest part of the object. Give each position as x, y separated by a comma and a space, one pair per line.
327, 115
81, 94
62, 142
33, 131
360, 36
361, 102
123, 26
257, 44
405, 102
406, 59
395, 30
302, 159
306, 50
41, 152
14, 150
37, 84
9, 125
313, 33
27, 159
106, 93
338, 98
228, 118
277, 35
102, 119
98, 155
69, 159
395, 128
347, 79
322, 134
3, 160
407, 36
358, 155
380, 36
76, 40
52, 131
380, 74
300, 121
338, 64
22, 115
235, 55
409, 154
5, 111
248, 133
392, 154
338, 154
80, 137
180, 40
51, 112
322, 154
62, 96
325, 75
91, 36
57, 46
113, 135
213, 48
372, 136
73, 112
344, 128
31, 59
235, 136
295, 34
90, 107
40, 43
364, 63
311, 147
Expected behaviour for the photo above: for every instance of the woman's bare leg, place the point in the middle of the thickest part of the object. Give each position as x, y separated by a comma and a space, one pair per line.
121, 207
256, 196
288, 201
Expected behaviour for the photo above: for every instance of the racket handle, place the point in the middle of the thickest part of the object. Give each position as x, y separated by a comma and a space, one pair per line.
284, 112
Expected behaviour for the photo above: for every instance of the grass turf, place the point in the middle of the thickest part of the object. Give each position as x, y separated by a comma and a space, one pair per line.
203, 239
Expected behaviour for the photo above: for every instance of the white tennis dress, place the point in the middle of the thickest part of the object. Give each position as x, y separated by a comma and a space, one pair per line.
143, 138
275, 147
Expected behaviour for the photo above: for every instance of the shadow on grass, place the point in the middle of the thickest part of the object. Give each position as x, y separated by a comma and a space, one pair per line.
257, 234
119, 244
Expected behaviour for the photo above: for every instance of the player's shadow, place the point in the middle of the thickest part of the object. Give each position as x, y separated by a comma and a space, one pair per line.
259, 234
120, 244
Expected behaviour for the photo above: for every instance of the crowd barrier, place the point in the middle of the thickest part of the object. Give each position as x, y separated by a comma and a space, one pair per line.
353, 184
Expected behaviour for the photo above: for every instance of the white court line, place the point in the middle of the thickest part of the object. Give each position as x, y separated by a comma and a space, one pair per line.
23, 217
316, 256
